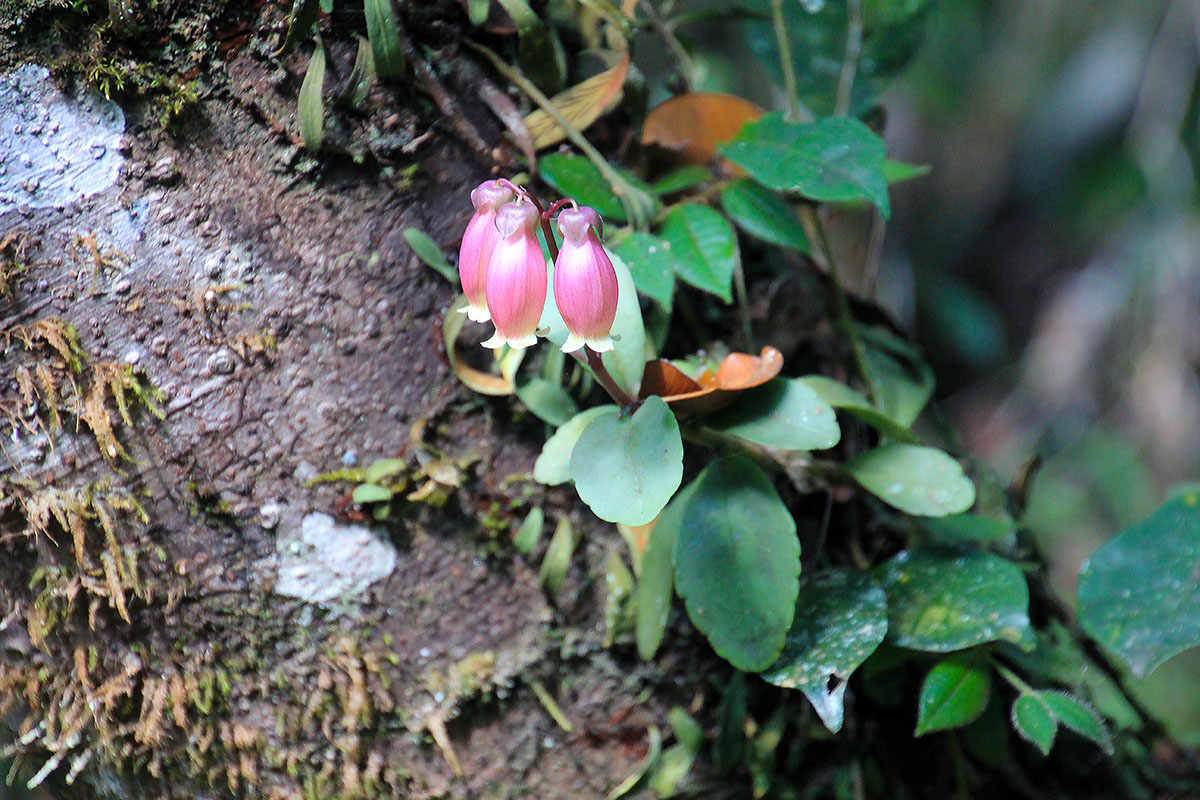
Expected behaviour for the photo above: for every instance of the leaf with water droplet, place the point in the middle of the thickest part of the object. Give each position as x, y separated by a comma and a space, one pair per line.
920, 480
841, 617
941, 599
1139, 595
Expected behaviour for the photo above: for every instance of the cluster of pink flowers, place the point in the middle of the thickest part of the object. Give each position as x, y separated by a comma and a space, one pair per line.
503, 272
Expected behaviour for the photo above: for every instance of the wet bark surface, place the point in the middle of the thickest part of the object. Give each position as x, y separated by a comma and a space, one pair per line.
234, 641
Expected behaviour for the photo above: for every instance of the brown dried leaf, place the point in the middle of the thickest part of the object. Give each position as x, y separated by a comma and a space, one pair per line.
692, 125
713, 390
581, 105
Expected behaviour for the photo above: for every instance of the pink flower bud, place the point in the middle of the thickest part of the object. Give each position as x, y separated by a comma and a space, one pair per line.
585, 283
516, 277
477, 244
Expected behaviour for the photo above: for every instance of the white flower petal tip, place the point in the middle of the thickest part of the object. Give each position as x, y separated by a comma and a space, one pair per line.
520, 343
600, 345
572, 344
476, 313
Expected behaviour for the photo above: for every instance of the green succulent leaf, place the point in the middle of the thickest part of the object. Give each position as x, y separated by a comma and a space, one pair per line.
737, 562
627, 468
553, 466
782, 413
656, 587
548, 401
919, 480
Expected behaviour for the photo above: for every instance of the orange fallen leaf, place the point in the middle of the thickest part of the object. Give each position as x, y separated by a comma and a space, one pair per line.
692, 125
714, 389
581, 105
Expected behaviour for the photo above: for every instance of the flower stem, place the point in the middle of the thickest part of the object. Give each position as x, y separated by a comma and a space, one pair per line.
796, 110
604, 377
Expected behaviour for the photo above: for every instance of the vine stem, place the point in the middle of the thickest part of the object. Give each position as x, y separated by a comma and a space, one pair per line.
796, 110
854, 36
816, 233
604, 377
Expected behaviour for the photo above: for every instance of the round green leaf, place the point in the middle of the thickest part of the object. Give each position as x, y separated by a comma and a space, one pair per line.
627, 468
941, 600
783, 413
841, 617
1138, 594
763, 213
703, 247
1032, 719
955, 693
919, 480
835, 159
737, 562
553, 466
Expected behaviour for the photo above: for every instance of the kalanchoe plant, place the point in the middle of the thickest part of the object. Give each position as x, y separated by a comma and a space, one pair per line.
516, 277
585, 283
477, 245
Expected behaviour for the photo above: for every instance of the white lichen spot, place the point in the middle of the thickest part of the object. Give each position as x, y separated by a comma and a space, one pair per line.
330, 563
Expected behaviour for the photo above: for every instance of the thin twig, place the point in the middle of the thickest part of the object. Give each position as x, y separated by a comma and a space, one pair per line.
816, 234
854, 35
739, 287
796, 110
637, 204
442, 98
668, 35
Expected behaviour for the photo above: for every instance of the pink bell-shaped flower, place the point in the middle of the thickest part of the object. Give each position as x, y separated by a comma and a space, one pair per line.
477, 244
585, 283
516, 277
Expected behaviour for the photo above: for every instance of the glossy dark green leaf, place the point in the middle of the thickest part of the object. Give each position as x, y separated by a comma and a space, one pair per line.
384, 34
840, 618
761, 212
548, 401
311, 110
627, 468
649, 260
737, 562
940, 599
919, 480
553, 466
1031, 718
703, 246
578, 178
835, 159
955, 692
1139, 595
428, 251
782, 413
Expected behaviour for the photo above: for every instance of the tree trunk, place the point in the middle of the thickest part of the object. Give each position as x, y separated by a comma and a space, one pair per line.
184, 614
